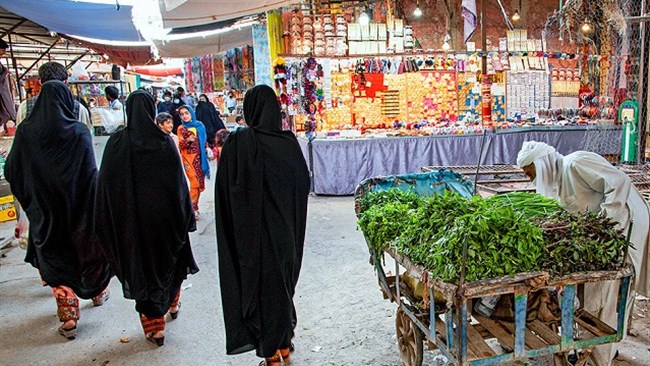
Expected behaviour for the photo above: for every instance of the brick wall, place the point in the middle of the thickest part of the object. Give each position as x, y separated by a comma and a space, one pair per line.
431, 26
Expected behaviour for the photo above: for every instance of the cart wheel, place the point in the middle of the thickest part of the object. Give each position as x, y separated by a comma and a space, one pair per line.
409, 339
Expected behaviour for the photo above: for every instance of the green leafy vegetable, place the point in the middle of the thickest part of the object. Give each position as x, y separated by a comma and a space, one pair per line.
504, 234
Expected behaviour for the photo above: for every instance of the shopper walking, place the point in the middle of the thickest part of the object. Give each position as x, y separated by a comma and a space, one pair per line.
167, 105
219, 140
165, 122
585, 180
187, 98
192, 141
7, 107
239, 123
261, 209
208, 114
231, 102
52, 172
144, 214
54, 71
178, 102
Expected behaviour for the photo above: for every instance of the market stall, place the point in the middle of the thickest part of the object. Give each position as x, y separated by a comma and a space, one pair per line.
337, 166
511, 268
369, 93
363, 68
105, 120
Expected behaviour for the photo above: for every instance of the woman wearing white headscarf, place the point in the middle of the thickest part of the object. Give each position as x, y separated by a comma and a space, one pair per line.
586, 181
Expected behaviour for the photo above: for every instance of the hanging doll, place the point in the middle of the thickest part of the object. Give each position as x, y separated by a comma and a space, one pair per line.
280, 75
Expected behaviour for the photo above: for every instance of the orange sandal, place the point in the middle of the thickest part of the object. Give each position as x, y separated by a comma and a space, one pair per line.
286, 352
276, 360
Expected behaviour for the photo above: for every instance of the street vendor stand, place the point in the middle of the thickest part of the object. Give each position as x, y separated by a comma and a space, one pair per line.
105, 120
337, 165
442, 313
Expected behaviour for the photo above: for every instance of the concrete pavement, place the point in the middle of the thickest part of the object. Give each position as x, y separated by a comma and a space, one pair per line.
342, 317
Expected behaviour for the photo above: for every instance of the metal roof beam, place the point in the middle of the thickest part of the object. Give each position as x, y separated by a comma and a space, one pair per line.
32, 34
13, 27
23, 35
54, 51
89, 58
38, 59
32, 45
3, 16
76, 59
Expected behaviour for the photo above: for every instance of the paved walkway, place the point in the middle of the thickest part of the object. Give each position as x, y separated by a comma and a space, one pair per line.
342, 317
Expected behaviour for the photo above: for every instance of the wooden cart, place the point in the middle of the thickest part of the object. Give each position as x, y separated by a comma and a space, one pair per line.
442, 314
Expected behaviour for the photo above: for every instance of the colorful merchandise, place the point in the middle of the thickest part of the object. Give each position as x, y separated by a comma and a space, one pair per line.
206, 74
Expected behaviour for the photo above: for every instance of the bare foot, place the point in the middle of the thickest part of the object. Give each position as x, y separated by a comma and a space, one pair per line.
70, 324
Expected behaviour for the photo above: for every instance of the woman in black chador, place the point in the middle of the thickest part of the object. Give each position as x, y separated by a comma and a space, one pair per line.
144, 214
261, 209
52, 172
211, 118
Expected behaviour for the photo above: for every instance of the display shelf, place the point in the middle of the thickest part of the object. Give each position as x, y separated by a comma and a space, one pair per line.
380, 55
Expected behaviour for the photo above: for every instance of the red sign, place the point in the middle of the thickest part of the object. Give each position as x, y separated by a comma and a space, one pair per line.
486, 100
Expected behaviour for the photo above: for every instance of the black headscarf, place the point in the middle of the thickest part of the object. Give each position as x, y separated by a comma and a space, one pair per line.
176, 116
261, 207
144, 211
207, 113
52, 172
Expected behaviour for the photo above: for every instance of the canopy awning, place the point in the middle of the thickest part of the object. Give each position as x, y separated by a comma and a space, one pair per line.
108, 28
158, 70
204, 46
90, 20
120, 55
187, 13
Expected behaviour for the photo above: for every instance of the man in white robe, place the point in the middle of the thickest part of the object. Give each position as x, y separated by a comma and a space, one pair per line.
586, 181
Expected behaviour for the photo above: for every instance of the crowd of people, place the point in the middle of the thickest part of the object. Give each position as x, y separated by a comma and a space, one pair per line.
152, 173
194, 128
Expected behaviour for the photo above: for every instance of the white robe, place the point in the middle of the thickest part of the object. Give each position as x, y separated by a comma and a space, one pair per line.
586, 181
589, 182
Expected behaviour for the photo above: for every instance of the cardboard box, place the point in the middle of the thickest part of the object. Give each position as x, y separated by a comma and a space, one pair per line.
7, 208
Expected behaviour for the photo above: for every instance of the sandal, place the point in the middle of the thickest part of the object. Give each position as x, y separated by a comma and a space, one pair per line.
157, 341
174, 314
286, 352
270, 363
100, 299
70, 334
276, 360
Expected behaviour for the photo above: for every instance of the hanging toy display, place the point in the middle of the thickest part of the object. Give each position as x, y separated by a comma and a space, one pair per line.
310, 75
280, 75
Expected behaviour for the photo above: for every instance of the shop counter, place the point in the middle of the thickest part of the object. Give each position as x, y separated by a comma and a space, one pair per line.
338, 165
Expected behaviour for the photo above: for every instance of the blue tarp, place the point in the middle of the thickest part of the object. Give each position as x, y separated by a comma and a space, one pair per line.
423, 184
90, 20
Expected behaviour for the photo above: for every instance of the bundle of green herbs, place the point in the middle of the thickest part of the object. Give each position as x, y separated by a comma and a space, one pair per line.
385, 215
581, 242
505, 234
